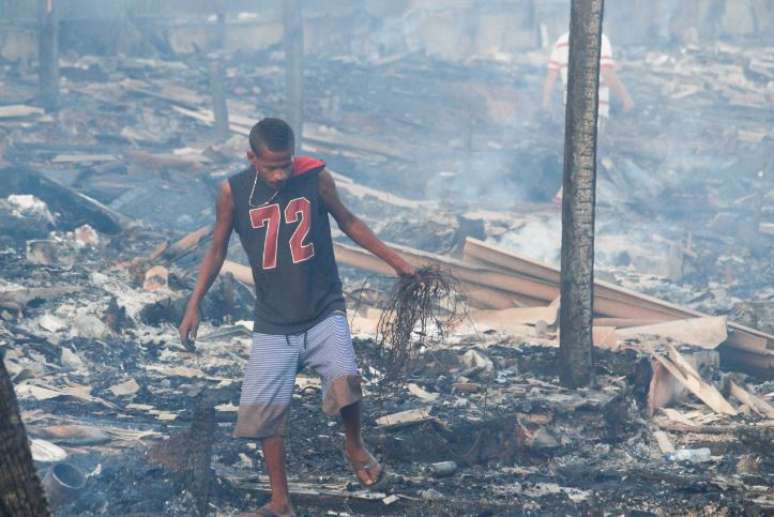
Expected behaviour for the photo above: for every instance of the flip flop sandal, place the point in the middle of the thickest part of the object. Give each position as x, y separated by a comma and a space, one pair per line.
369, 465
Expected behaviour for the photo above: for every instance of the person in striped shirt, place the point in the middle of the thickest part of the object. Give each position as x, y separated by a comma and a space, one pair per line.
557, 66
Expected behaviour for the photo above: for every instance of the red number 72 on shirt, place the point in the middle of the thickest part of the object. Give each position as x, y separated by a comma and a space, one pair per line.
269, 217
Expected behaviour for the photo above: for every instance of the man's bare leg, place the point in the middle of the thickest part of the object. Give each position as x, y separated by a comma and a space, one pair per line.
274, 454
355, 448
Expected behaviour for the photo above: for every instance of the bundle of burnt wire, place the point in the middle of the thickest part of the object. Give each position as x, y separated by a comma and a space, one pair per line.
424, 304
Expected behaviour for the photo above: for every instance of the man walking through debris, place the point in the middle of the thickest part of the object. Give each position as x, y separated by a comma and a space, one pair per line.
279, 208
557, 65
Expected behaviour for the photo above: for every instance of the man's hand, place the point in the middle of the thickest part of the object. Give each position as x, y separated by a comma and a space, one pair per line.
188, 329
628, 105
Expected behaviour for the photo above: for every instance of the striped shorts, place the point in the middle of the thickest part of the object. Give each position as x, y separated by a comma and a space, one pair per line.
271, 372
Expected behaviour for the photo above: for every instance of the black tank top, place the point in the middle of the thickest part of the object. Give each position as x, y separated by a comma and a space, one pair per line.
287, 238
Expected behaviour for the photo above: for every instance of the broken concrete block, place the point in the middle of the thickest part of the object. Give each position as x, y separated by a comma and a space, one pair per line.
543, 439
156, 278
475, 360
129, 387
71, 359
89, 326
51, 323
86, 235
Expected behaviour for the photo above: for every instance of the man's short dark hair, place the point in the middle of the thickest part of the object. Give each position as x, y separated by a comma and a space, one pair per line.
273, 134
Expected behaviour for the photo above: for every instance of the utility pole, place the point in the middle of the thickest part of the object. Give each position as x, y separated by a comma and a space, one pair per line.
220, 24
294, 71
21, 494
218, 93
48, 54
579, 184
216, 74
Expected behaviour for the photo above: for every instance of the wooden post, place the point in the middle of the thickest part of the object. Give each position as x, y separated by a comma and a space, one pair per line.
294, 71
219, 105
580, 150
48, 54
21, 493
220, 27
202, 432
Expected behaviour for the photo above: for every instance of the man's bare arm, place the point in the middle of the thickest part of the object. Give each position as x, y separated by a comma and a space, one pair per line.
616, 86
357, 230
211, 263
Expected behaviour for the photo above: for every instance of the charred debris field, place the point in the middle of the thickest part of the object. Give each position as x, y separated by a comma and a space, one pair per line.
104, 213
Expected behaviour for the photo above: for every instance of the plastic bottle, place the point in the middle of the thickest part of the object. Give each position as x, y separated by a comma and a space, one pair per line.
690, 455
443, 468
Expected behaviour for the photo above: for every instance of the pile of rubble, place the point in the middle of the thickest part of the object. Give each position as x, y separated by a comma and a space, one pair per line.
480, 424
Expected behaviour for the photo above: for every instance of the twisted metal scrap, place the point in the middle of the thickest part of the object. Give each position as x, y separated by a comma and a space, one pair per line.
428, 298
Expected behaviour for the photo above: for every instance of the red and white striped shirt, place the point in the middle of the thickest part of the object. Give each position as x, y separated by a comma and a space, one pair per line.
560, 57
